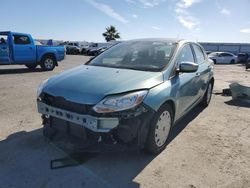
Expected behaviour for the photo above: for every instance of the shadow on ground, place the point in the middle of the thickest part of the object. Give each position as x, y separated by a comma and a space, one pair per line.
19, 71
25, 162
239, 103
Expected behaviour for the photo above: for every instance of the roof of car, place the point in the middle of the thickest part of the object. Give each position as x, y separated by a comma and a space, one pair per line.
173, 40
223, 52
15, 33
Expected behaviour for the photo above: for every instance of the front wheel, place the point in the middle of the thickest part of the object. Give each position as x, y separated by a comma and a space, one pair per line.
160, 129
48, 63
232, 61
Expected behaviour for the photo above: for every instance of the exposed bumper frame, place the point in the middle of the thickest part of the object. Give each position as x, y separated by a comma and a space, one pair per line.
96, 124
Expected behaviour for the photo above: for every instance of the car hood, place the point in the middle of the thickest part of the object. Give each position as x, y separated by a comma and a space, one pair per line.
90, 84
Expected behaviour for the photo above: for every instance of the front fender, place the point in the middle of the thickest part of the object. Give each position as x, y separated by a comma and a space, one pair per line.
158, 95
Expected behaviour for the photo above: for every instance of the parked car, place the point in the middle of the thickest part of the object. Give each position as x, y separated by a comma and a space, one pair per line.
248, 64
133, 93
223, 57
90, 49
97, 51
103, 49
242, 57
87, 48
21, 49
73, 50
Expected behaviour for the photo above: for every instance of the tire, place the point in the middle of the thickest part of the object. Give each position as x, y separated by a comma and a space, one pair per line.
76, 52
207, 96
31, 66
232, 61
214, 60
247, 65
160, 129
48, 63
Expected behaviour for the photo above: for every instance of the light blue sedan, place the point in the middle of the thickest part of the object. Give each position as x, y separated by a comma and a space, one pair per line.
133, 93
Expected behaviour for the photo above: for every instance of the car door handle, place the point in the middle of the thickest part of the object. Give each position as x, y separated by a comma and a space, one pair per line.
30, 48
197, 74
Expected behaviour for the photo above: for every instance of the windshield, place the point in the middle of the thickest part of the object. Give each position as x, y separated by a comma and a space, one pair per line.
137, 55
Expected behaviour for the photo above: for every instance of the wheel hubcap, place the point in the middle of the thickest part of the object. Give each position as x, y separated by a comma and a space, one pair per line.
209, 92
48, 63
162, 128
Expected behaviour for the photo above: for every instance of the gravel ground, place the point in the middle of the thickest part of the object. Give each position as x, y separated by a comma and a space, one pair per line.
208, 148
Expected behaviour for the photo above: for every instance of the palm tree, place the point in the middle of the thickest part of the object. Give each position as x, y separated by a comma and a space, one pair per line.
111, 33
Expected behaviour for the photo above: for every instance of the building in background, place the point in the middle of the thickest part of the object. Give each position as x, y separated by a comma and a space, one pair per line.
234, 48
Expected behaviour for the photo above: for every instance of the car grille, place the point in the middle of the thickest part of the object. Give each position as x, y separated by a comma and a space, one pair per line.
61, 102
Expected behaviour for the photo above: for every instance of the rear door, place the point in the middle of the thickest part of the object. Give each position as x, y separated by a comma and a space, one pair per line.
187, 90
4, 49
24, 50
228, 57
224, 58
202, 74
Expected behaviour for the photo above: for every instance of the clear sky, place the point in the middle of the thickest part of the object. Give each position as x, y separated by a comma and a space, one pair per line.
198, 20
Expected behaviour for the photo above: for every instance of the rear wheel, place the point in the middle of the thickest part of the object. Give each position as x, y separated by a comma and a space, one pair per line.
160, 129
48, 63
31, 66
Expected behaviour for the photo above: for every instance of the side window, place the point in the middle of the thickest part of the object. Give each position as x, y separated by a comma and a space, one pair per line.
186, 54
21, 39
3, 39
225, 55
199, 54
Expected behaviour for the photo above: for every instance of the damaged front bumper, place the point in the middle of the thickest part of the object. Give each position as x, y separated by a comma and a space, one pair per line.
97, 124
129, 127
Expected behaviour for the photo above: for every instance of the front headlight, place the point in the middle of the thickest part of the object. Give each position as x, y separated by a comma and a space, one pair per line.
120, 102
40, 87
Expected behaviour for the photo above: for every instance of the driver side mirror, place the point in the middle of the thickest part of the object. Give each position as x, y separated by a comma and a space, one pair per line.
186, 66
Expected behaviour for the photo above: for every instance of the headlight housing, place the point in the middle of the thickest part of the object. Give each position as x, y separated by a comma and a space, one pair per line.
118, 103
40, 87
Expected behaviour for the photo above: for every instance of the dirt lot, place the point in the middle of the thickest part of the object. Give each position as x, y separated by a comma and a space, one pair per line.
208, 148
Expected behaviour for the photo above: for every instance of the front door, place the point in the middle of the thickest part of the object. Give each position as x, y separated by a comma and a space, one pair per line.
4, 50
23, 49
186, 87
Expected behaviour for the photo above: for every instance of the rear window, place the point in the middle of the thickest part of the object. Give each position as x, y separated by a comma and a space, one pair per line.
226, 54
